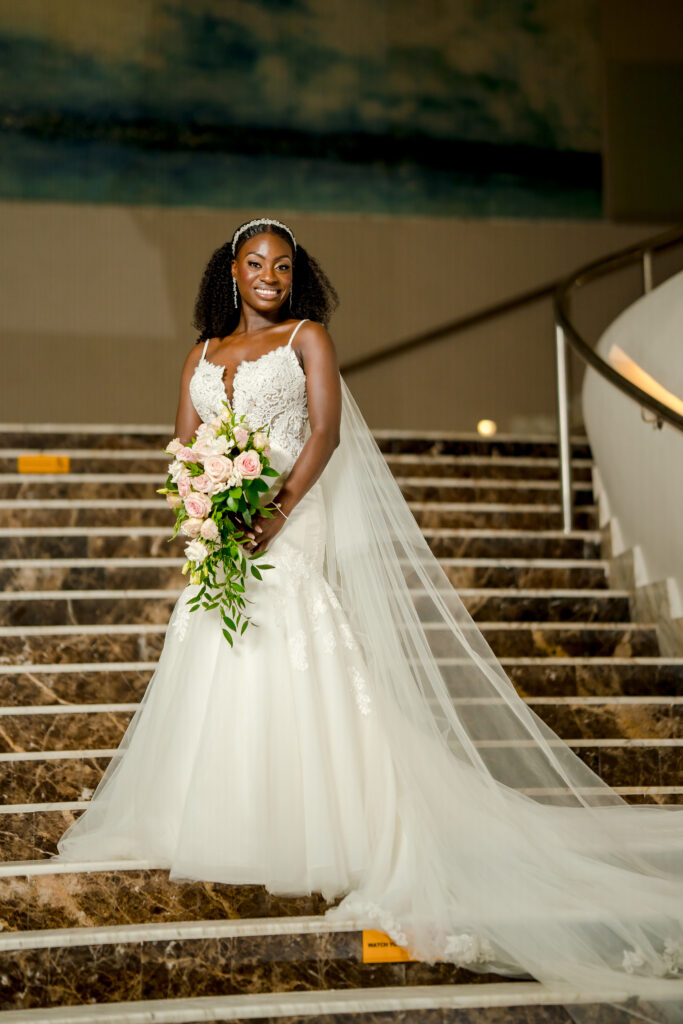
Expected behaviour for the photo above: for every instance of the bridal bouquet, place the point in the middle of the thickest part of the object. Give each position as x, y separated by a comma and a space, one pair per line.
214, 486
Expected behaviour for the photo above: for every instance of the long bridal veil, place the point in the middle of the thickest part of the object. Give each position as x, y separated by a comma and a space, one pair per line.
507, 852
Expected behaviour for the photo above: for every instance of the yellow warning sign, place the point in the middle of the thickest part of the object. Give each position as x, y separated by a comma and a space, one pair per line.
43, 464
378, 948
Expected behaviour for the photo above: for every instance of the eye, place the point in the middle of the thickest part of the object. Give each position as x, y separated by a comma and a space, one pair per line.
284, 267
253, 263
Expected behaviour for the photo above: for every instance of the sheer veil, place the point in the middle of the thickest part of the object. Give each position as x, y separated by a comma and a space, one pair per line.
508, 854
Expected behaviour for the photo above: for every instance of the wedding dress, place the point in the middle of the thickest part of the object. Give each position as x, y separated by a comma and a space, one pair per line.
362, 740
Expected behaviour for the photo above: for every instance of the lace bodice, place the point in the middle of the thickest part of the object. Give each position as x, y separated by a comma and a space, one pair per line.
269, 391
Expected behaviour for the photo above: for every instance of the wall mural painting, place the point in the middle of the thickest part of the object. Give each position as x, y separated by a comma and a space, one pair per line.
467, 107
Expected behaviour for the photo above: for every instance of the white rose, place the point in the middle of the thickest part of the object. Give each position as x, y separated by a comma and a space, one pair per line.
191, 527
196, 552
176, 469
209, 530
260, 440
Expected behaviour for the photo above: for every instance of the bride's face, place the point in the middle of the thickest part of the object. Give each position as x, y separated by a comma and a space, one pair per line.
263, 270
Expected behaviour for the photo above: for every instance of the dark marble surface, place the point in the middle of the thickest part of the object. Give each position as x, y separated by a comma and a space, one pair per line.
173, 969
74, 516
469, 467
147, 462
112, 687
570, 577
551, 641
484, 447
95, 731
66, 779
102, 898
516, 607
511, 546
60, 438
522, 641
74, 647
52, 576
482, 491
546, 607
69, 611
587, 680
91, 546
496, 519
32, 487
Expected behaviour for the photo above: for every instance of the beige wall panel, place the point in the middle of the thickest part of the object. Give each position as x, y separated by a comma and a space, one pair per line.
96, 308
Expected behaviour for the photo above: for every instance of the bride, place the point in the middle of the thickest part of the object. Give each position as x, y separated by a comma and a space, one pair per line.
361, 739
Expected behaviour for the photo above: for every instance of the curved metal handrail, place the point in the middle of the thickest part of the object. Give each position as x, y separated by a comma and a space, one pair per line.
567, 334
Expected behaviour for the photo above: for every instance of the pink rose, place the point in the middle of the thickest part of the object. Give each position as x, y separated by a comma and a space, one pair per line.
174, 500
241, 436
174, 446
184, 485
191, 527
217, 467
185, 454
248, 465
197, 505
209, 530
202, 483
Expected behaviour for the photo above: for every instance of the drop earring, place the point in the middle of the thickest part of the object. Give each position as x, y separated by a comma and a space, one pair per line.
234, 292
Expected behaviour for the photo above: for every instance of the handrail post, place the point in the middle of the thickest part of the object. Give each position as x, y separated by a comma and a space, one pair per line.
564, 439
647, 270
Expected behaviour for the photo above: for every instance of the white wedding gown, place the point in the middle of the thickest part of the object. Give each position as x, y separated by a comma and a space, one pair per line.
330, 750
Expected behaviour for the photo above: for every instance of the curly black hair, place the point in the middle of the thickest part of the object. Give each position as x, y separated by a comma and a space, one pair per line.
215, 313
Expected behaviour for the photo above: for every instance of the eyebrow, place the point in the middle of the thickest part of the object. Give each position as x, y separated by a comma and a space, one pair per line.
285, 256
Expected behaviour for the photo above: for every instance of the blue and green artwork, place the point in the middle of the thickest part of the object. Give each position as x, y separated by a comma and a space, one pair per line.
476, 108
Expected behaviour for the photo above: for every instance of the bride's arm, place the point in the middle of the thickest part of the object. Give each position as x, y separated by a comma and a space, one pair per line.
323, 389
187, 418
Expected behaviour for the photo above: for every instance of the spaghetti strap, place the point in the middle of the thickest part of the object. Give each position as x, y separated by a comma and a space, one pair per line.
291, 339
206, 345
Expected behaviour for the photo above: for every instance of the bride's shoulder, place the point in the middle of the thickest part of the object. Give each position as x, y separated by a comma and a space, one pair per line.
312, 338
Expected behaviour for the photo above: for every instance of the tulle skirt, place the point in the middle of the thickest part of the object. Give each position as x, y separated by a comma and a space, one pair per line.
274, 763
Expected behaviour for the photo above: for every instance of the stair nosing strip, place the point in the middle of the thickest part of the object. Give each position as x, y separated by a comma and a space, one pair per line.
127, 593
53, 668
119, 628
580, 743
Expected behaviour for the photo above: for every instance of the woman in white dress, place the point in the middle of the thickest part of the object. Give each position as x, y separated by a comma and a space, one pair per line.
361, 739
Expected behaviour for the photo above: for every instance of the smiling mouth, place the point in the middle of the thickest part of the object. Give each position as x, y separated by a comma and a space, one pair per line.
267, 293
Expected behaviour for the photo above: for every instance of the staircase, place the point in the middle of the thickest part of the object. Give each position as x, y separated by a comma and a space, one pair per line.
88, 585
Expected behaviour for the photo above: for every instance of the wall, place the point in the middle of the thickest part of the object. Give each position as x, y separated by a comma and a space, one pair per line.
96, 306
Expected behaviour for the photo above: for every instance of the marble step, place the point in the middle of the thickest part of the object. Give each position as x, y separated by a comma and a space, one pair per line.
47, 437
203, 959
143, 641
154, 512
143, 541
509, 1002
513, 467
54, 780
162, 573
123, 682
141, 486
566, 679
56, 607
49, 727
29, 830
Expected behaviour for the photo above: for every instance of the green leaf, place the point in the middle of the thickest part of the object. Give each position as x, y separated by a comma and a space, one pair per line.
269, 471
256, 573
228, 637
247, 517
235, 492
244, 626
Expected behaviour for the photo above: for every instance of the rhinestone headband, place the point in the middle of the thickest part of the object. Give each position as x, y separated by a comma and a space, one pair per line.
261, 220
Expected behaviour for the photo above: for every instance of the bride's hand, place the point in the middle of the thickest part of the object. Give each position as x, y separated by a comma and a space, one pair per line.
262, 532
